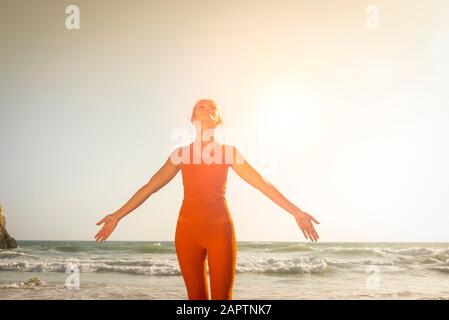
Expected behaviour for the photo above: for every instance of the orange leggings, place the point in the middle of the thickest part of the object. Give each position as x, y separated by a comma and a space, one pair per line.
216, 240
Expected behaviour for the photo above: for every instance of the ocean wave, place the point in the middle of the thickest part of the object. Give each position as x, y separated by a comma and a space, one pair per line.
444, 269
152, 270
247, 264
431, 261
412, 252
291, 248
338, 262
357, 262
442, 257
29, 266
415, 251
148, 267
149, 258
15, 254
376, 262
295, 265
353, 251
337, 249
274, 248
56, 247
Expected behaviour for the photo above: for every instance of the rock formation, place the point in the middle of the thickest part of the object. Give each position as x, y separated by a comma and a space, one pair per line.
6, 241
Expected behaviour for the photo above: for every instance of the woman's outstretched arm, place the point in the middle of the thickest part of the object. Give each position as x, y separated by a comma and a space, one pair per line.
166, 173
255, 179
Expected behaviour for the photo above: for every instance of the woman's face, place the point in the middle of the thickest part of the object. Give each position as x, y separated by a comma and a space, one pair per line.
206, 112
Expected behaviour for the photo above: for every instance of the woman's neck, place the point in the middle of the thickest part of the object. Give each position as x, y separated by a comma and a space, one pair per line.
209, 138
203, 143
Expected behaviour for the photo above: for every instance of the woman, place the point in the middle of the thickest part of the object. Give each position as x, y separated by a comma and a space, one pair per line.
205, 226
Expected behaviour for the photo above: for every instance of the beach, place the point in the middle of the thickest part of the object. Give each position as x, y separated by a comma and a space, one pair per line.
265, 270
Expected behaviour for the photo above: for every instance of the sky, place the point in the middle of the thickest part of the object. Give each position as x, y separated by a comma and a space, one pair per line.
342, 105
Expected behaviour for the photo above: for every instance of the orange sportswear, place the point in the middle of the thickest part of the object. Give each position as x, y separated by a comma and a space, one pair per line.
205, 227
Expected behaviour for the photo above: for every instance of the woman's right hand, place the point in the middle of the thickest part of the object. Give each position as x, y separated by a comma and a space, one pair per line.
110, 222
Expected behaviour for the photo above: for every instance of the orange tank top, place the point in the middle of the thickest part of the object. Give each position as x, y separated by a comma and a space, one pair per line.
204, 187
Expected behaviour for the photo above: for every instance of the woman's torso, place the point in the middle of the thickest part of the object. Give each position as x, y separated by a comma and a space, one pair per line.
204, 181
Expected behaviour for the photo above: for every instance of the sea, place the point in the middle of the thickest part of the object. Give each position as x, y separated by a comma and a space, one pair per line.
265, 270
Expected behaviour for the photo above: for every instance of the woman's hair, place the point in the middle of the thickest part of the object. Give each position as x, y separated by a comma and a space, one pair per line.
220, 120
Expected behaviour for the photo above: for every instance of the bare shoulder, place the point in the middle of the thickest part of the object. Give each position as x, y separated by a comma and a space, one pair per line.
178, 153
179, 150
233, 154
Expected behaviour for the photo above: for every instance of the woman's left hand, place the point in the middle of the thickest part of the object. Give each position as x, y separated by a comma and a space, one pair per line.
304, 221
